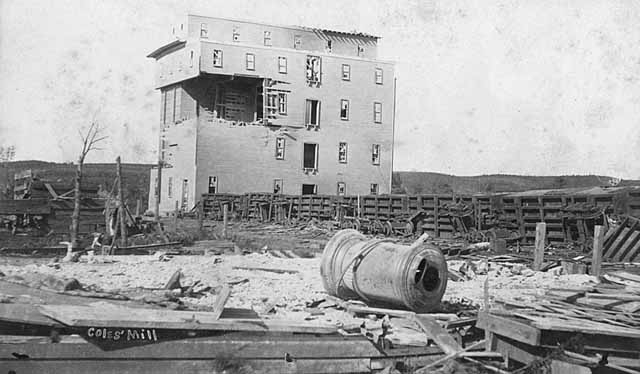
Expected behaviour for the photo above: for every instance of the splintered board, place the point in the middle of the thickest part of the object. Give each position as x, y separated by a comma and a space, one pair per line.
86, 316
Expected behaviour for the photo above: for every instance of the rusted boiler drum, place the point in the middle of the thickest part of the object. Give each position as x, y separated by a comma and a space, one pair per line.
383, 273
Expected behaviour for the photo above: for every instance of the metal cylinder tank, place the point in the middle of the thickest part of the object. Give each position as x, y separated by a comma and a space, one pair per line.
383, 273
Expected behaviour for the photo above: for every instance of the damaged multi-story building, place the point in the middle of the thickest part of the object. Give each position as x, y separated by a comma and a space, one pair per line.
253, 107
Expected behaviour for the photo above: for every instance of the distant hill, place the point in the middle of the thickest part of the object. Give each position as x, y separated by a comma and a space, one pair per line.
135, 177
427, 183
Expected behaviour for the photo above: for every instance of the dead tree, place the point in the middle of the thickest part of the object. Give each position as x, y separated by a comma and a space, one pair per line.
89, 141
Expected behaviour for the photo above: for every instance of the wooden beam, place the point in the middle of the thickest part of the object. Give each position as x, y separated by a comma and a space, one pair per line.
438, 334
83, 316
221, 300
538, 254
177, 365
598, 241
509, 327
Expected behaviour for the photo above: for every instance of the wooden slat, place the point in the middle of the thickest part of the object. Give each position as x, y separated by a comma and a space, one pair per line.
510, 328
613, 248
82, 316
438, 334
626, 250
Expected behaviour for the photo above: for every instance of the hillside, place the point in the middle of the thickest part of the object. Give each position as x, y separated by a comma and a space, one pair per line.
427, 183
135, 177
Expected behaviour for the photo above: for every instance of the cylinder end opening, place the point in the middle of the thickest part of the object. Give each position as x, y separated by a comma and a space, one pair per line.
428, 277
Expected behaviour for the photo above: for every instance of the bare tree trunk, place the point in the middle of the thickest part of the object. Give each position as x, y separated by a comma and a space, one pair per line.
75, 217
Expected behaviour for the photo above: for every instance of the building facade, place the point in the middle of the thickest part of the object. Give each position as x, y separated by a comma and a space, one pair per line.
250, 107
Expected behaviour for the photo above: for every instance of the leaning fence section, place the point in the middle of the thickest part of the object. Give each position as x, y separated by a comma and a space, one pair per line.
570, 215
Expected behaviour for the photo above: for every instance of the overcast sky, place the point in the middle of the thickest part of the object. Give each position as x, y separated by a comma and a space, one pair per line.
485, 86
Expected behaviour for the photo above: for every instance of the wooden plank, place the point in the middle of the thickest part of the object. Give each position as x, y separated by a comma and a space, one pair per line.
598, 240
233, 345
562, 367
279, 366
83, 316
538, 254
236, 345
438, 334
509, 327
516, 350
221, 300
583, 325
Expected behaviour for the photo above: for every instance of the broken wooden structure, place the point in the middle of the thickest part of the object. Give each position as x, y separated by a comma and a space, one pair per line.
570, 214
56, 332
595, 328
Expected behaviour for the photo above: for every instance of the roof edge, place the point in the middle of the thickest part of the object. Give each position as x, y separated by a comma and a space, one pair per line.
166, 48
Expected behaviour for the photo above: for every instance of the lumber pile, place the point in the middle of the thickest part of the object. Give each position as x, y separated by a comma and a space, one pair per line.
571, 330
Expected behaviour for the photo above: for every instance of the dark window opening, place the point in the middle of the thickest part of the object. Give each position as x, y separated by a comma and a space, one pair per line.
342, 189
342, 153
280, 148
374, 188
310, 157
312, 113
277, 186
217, 58
309, 189
344, 109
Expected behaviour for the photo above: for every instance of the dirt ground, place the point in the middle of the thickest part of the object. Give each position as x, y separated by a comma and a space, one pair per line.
289, 292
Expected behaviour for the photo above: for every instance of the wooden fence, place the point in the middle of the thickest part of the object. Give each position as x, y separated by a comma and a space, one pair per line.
570, 214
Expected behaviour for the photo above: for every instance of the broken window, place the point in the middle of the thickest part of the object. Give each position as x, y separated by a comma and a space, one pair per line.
204, 30
374, 189
267, 38
344, 109
236, 33
217, 58
329, 46
342, 189
378, 76
310, 157
280, 148
309, 189
251, 61
282, 65
346, 72
271, 104
313, 69
277, 186
377, 112
375, 154
282, 103
297, 41
312, 113
170, 187
191, 59
360, 50
342, 153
